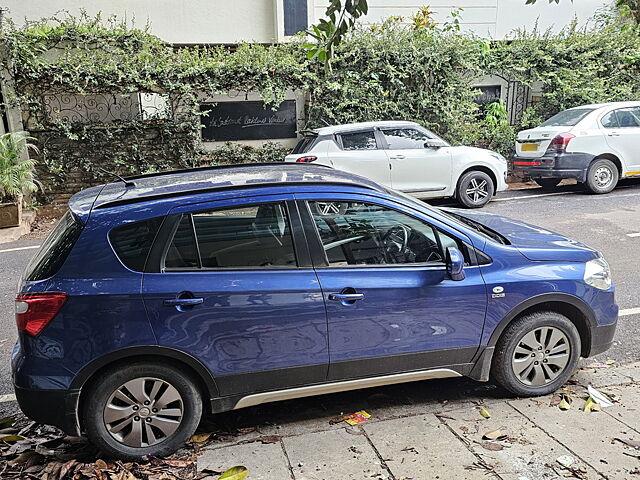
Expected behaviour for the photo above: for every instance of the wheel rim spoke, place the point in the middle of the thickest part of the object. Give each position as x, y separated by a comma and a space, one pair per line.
541, 356
143, 412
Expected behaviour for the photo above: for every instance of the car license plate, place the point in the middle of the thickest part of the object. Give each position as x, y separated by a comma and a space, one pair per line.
529, 147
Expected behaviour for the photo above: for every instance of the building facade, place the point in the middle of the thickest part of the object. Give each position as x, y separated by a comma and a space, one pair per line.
186, 22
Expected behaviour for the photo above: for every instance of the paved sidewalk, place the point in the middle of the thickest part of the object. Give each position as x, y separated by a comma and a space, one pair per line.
434, 430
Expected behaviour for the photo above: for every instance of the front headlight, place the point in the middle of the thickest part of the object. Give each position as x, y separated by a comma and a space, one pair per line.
597, 273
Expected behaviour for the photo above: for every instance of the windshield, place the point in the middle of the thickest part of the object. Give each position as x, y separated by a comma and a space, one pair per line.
568, 118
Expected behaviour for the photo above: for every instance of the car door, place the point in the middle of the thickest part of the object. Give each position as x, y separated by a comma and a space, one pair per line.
622, 134
391, 308
236, 290
360, 153
416, 167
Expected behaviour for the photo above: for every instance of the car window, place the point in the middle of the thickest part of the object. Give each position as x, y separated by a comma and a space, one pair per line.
256, 236
568, 118
355, 233
628, 117
359, 141
132, 242
610, 120
405, 138
305, 144
55, 249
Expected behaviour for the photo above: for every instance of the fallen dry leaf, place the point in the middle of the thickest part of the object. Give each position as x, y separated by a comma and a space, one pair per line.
495, 447
200, 437
492, 434
564, 403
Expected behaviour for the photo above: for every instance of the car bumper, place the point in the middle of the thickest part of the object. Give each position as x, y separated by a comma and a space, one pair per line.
602, 338
51, 407
564, 165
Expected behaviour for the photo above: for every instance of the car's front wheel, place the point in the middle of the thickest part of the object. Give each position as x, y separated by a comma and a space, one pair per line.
536, 354
475, 189
602, 176
141, 409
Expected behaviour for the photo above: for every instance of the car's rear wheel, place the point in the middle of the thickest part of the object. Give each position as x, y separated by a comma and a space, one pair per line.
536, 354
141, 409
602, 176
548, 183
475, 189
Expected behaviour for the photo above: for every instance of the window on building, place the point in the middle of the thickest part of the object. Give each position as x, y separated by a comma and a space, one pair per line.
295, 16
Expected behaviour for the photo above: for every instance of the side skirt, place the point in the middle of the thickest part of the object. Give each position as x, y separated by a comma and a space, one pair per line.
242, 401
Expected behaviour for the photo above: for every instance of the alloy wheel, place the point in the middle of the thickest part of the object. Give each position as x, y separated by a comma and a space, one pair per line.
143, 412
477, 190
541, 356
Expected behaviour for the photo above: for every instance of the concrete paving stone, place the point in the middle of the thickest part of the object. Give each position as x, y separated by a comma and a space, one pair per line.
422, 447
589, 435
333, 455
527, 452
627, 407
264, 461
610, 375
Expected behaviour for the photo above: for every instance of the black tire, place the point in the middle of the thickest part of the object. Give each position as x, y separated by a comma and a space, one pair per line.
602, 176
548, 183
101, 391
483, 189
503, 370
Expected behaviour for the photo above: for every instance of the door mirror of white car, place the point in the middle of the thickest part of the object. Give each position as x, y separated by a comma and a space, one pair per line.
435, 144
455, 264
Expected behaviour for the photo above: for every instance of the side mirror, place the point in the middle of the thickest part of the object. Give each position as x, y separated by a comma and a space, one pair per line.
435, 145
455, 264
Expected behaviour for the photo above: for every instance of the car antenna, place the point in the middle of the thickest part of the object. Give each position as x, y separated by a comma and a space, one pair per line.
127, 183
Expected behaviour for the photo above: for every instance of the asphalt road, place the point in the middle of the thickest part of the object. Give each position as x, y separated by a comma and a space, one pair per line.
606, 222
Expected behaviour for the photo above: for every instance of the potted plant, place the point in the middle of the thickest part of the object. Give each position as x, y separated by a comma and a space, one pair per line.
16, 176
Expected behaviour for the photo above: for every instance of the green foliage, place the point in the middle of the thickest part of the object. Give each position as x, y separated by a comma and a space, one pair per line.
16, 172
236, 153
330, 31
393, 72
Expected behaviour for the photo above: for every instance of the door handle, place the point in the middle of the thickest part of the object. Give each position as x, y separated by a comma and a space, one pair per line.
183, 302
346, 297
397, 157
613, 134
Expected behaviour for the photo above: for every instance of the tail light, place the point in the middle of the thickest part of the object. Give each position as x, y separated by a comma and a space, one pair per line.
307, 159
34, 311
560, 142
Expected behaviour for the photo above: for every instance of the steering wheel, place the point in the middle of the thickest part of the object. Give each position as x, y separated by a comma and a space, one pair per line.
396, 240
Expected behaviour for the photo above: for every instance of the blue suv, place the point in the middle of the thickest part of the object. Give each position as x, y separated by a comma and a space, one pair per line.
161, 296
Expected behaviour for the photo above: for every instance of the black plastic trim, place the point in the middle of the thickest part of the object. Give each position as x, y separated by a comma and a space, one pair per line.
147, 350
541, 299
266, 380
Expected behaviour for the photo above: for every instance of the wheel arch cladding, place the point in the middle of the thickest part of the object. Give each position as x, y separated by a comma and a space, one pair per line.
184, 362
483, 169
610, 156
571, 307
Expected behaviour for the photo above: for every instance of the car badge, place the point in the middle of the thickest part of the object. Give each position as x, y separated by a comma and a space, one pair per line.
498, 292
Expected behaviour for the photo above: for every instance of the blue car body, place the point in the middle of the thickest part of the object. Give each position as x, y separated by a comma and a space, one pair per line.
274, 328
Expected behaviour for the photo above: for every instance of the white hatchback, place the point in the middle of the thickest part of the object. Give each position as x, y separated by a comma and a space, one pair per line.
407, 157
595, 144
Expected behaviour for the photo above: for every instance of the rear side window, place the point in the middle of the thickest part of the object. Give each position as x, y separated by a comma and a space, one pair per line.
55, 249
256, 236
359, 141
568, 118
305, 144
622, 118
132, 242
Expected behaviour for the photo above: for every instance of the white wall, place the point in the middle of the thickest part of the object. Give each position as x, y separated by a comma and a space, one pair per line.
176, 21
232, 21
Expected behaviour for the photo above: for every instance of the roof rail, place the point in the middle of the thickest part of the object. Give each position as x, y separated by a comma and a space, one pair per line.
133, 200
222, 167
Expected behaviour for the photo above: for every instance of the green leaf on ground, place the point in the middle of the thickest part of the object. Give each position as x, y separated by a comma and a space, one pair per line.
485, 413
235, 473
564, 404
11, 438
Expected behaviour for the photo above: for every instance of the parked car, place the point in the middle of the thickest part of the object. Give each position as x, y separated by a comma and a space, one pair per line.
595, 144
167, 295
407, 157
